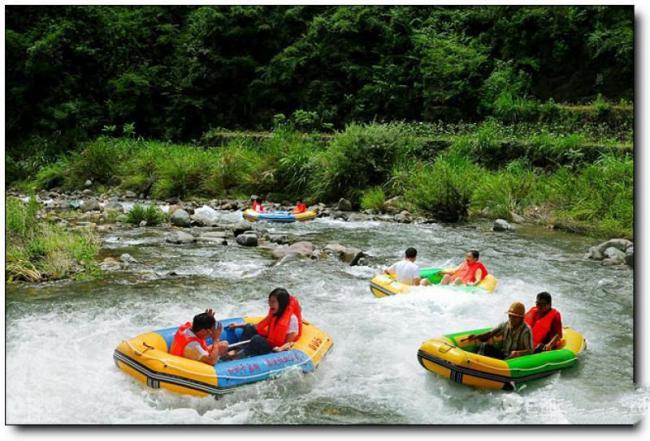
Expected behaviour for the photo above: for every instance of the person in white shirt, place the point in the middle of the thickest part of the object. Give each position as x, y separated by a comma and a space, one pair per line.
406, 271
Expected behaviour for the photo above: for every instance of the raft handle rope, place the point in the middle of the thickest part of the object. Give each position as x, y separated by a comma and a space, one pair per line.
165, 362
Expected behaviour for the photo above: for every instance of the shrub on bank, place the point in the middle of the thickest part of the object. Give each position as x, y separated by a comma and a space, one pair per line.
373, 199
37, 250
151, 214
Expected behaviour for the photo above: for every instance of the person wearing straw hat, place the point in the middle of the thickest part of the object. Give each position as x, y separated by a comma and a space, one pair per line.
517, 336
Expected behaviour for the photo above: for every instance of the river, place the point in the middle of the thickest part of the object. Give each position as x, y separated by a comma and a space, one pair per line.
61, 336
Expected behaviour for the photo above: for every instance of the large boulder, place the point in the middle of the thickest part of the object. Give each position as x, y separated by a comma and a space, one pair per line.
501, 225
299, 249
241, 228
180, 218
629, 256
205, 216
619, 244
594, 253
90, 205
249, 239
613, 256
179, 237
344, 205
349, 255
216, 237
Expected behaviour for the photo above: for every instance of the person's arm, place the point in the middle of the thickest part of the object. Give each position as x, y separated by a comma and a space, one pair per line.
213, 353
528, 343
477, 278
291, 337
390, 270
486, 335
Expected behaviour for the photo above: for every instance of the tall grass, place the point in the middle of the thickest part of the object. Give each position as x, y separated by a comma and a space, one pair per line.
37, 250
150, 214
373, 199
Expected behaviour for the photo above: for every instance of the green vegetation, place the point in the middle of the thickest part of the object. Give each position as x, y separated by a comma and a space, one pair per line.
151, 214
37, 250
373, 199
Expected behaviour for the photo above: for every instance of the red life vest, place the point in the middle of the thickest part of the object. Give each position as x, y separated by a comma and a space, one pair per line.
257, 207
541, 326
181, 339
468, 273
300, 208
275, 329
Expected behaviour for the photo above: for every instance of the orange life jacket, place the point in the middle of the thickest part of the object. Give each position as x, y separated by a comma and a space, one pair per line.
257, 207
181, 339
541, 326
274, 329
300, 208
468, 273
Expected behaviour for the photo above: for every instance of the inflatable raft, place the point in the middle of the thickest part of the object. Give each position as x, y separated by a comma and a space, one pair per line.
278, 216
384, 285
146, 358
455, 359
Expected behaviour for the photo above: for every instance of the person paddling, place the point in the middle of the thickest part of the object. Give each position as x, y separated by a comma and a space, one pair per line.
279, 330
190, 339
517, 336
471, 272
545, 322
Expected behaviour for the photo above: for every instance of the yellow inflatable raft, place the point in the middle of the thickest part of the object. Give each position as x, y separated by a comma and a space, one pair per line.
384, 285
278, 216
146, 358
454, 358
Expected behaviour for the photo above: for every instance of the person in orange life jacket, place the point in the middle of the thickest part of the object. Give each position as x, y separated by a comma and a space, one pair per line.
471, 272
190, 339
256, 205
517, 336
406, 271
277, 332
545, 322
300, 207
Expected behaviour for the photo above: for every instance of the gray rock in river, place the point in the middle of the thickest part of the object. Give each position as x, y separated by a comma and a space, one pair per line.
344, 205
501, 225
404, 217
248, 239
619, 244
205, 216
594, 253
298, 249
613, 256
629, 256
90, 205
127, 258
349, 255
180, 218
110, 264
241, 228
179, 237
114, 205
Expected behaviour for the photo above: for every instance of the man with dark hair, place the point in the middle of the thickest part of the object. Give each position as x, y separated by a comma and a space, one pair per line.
471, 272
546, 324
406, 271
190, 339
517, 337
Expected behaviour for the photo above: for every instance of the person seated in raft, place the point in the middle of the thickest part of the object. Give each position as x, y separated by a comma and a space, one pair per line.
406, 271
300, 207
256, 205
545, 322
517, 336
190, 339
277, 332
471, 272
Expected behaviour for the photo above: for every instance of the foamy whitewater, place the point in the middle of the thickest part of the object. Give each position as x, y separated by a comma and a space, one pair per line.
61, 336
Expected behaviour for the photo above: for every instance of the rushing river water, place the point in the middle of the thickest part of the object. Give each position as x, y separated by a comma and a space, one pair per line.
61, 336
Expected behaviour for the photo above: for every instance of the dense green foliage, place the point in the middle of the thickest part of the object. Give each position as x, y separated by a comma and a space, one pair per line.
151, 214
588, 190
176, 72
37, 250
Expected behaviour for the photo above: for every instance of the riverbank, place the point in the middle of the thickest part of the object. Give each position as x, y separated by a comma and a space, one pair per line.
85, 218
581, 181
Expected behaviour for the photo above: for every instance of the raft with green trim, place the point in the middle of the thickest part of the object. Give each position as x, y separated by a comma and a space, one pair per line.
453, 358
384, 285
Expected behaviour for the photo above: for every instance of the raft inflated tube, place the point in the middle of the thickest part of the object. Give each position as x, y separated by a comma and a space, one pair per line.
278, 216
146, 358
454, 358
384, 285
